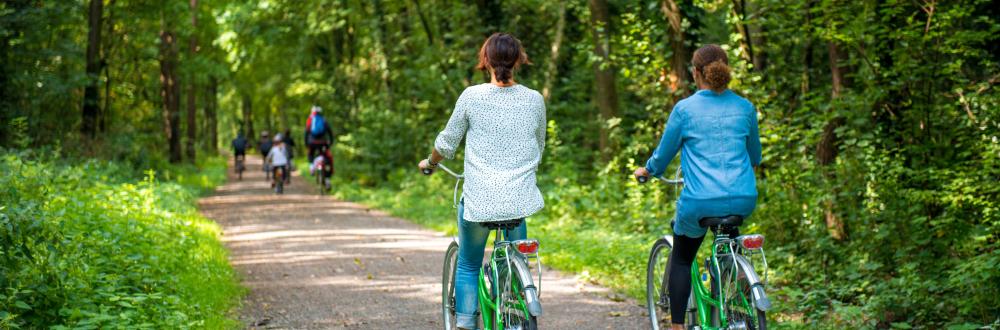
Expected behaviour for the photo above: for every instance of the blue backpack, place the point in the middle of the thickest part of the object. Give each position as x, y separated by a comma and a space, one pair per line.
318, 126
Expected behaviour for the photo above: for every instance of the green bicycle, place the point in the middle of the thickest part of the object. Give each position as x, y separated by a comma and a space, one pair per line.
736, 299
508, 296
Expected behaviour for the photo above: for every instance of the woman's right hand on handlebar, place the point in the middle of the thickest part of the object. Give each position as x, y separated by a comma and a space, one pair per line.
426, 168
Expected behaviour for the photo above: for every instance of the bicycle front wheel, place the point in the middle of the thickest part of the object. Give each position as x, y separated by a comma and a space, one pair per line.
657, 277
448, 287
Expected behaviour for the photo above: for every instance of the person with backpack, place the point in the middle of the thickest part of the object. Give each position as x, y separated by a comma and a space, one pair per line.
318, 132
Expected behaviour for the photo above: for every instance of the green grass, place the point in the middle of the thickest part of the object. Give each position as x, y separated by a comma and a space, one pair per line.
89, 245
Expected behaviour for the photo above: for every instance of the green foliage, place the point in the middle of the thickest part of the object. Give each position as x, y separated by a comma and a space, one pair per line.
87, 246
915, 131
913, 125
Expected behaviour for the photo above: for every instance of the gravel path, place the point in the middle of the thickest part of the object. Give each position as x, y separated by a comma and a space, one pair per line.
314, 262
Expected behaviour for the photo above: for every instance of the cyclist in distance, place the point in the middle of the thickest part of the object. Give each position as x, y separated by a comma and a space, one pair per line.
503, 124
716, 132
239, 149
289, 151
264, 146
318, 132
277, 158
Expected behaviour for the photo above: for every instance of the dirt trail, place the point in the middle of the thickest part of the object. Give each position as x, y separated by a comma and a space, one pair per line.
314, 262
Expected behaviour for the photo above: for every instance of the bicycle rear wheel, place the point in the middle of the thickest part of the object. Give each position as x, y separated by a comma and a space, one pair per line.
319, 181
513, 309
740, 306
657, 277
448, 287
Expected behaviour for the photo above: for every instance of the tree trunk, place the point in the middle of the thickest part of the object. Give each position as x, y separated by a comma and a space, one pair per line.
757, 39
91, 96
423, 22
826, 151
383, 40
108, 46
248, 117
170, 92
211, 114
553, 65
606, 96
192, 107
680, 78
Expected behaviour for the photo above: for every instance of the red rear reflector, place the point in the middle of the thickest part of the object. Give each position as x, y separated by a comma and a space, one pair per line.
526, 246
752, 242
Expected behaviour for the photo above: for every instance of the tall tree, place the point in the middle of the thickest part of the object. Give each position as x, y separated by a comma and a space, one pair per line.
170, 91
91, 98
212, 114
680, 54
108, 46
553, 66
606, 96
826, 150
743, 28
248, 116
192, 107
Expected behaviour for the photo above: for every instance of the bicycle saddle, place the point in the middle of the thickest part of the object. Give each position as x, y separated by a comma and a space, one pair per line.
726, 221
505, 224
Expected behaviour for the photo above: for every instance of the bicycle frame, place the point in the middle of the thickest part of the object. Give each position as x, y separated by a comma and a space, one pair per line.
488, 307
724, 250
502, 255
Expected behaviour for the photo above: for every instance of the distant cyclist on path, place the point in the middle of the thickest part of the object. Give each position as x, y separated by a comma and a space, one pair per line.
264, 146
239, 150
318, 132
503, 124
716, 133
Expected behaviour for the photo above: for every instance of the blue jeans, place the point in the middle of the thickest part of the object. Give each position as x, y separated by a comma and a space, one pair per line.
471, 247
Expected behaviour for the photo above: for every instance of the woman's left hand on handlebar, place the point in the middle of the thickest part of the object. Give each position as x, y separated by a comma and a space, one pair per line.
426, 167
641, 173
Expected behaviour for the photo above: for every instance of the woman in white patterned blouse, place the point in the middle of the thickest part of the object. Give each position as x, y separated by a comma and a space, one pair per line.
504, 127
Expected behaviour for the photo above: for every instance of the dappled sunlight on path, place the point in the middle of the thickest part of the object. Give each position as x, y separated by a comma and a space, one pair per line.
312, 262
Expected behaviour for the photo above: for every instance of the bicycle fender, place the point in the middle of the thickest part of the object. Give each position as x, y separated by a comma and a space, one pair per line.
530, 291
756, 287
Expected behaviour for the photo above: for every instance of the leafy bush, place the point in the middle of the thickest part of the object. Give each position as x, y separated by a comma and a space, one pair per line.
88, 246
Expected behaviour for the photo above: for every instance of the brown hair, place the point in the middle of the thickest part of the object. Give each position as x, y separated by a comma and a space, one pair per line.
504, 54
713, 64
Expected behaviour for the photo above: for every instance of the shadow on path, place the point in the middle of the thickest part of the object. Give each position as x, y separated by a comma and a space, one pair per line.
312, 262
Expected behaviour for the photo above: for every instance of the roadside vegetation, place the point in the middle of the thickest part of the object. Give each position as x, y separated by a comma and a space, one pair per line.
91, 244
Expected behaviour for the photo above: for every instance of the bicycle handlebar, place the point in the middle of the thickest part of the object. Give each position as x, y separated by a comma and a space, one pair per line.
428, 171
678, 181
458, 180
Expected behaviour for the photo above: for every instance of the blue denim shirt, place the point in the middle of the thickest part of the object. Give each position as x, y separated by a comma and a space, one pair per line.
719, 142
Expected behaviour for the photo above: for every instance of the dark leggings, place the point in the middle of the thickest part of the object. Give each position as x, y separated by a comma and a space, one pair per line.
681, 258
679, 288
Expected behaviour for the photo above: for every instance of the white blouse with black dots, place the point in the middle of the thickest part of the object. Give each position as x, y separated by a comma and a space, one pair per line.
504, 129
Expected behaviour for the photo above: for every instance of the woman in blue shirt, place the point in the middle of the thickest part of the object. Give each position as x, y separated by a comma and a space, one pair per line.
716, 133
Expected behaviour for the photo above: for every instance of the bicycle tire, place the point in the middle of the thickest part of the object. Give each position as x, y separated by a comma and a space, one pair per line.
448, 287
319, 182
657, 300
739, 288
279, 182
524, 320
